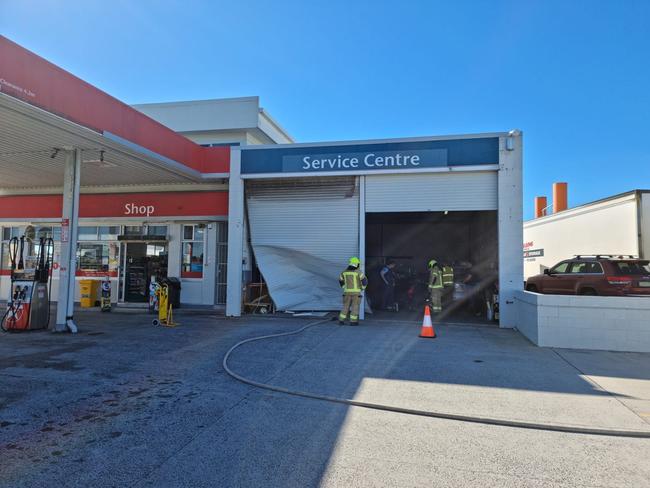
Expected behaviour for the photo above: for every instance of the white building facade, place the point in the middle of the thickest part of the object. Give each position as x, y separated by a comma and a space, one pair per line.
302, 210
618, 225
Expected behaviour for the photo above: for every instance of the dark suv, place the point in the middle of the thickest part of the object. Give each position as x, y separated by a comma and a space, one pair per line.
594, 275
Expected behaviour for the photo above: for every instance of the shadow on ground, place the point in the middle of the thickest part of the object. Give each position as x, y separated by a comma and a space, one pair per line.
123, 403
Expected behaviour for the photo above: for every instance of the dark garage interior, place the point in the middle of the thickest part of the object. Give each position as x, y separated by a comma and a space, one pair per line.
465, 240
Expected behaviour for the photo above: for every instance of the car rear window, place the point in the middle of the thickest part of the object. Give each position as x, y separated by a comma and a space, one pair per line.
632, 267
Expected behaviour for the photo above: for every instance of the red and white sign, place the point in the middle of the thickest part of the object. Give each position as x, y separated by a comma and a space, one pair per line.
167, 204
65, 230
95, 274
135, 209
9, 86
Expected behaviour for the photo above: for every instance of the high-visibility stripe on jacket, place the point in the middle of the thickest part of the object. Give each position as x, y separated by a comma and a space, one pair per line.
435, 278
353, 281
447, 275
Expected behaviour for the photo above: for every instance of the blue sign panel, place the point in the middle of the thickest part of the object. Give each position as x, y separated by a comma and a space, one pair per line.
364, 158
351, 161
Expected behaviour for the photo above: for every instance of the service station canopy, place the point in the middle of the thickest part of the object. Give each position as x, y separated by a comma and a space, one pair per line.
61, 135
46, 111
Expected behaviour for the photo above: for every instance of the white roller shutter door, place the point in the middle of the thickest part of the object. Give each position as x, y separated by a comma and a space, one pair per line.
432, 192
303, 231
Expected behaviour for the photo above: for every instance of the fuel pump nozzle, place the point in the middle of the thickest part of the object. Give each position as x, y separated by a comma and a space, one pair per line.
44, 261
13, 252
21, 263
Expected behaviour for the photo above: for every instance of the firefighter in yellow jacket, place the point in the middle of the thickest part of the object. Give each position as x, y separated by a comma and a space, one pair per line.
436, 286
353, 282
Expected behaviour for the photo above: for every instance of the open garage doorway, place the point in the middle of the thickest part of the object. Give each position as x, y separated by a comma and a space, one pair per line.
464, 240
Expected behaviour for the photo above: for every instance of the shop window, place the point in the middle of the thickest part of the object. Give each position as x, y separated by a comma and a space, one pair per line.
5, 261
31, 246
157, 230
9, 232
97, 259
92, 257
43, 231
87, 233
192, 245
133, 230
109, 233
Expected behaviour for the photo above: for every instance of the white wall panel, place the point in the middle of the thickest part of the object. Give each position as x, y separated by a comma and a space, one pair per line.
603, 228
431, 192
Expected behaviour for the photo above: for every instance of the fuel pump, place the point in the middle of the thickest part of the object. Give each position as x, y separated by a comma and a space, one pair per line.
28, 307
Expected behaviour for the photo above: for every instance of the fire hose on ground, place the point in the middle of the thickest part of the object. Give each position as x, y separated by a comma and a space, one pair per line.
570, 429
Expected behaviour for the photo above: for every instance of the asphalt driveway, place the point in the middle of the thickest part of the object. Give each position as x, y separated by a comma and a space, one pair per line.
125, 404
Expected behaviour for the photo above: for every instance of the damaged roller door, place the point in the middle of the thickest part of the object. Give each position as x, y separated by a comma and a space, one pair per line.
303, 231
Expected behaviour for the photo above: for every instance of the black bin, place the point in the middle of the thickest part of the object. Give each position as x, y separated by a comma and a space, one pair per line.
174, 287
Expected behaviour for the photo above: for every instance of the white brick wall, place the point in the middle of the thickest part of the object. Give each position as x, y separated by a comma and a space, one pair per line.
584, 322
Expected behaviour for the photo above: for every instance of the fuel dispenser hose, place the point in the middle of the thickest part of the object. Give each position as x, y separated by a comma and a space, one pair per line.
420, 413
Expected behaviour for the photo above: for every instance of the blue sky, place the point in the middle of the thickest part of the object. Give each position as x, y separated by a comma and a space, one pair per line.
573, 75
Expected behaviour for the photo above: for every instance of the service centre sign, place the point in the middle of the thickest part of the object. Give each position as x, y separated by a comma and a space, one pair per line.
366, 158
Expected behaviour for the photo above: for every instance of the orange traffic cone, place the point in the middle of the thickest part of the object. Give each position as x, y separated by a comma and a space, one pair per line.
427, 327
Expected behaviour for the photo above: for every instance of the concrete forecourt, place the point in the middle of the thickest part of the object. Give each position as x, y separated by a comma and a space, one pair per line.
93, 409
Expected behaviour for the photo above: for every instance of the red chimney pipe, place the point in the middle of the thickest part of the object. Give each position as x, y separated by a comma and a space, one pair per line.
540, 207
560, 201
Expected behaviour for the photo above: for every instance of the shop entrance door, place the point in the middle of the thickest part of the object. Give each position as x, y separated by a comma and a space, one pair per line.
142, 262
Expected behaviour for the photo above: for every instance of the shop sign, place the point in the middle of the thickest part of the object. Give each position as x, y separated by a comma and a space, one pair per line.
115, 205
134, 209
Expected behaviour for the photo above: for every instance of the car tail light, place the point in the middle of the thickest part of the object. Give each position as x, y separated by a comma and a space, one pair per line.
619, 280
